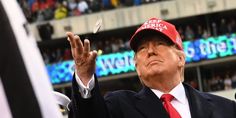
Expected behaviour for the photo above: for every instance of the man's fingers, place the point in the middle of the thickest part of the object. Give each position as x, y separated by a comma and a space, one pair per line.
74, 40
70, 38
86, 47
69, 34
78, 44
78, 49
94, 55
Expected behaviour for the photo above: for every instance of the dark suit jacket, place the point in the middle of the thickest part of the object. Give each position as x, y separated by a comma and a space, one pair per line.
145, 104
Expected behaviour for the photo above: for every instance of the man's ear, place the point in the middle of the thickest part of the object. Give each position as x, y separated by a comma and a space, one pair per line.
181, 56
135, 64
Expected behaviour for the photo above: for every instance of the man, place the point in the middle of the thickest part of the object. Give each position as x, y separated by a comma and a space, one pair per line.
159, 61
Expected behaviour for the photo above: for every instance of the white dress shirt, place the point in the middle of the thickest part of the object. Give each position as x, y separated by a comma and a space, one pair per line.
180, 101
85, 91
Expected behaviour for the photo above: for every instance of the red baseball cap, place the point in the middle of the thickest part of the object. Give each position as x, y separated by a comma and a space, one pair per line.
158, 26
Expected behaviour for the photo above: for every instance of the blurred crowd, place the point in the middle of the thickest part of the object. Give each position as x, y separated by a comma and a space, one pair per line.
43, 10
224, 81
219, 81
118, 44
215, 28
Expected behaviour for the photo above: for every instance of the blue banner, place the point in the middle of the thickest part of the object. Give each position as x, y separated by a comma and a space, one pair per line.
116, 63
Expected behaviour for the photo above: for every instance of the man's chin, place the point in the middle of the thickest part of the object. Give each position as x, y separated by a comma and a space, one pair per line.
154, 72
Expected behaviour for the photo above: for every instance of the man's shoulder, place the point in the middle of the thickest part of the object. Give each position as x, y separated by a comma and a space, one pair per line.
216, 98
221, 105
208, 96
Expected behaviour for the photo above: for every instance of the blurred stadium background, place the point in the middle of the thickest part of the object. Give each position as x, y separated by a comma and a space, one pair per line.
207, 27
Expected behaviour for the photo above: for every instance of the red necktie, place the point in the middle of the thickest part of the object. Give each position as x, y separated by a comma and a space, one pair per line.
167, 98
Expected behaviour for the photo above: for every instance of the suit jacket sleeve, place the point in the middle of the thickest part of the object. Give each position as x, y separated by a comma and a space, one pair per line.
93, 107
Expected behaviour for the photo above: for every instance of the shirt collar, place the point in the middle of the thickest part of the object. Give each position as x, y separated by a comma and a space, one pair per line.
178, 92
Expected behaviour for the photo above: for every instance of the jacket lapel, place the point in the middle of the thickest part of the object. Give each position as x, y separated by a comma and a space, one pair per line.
198, 103
149, 105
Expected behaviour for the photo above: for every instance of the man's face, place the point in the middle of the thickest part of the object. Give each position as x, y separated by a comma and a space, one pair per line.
156, 58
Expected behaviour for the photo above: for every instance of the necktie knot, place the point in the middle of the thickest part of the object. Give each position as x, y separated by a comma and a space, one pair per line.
167, 97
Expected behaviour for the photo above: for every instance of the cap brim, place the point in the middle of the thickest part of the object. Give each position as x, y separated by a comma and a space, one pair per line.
138, 36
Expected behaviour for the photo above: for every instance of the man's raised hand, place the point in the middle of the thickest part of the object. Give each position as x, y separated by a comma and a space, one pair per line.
85, 60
